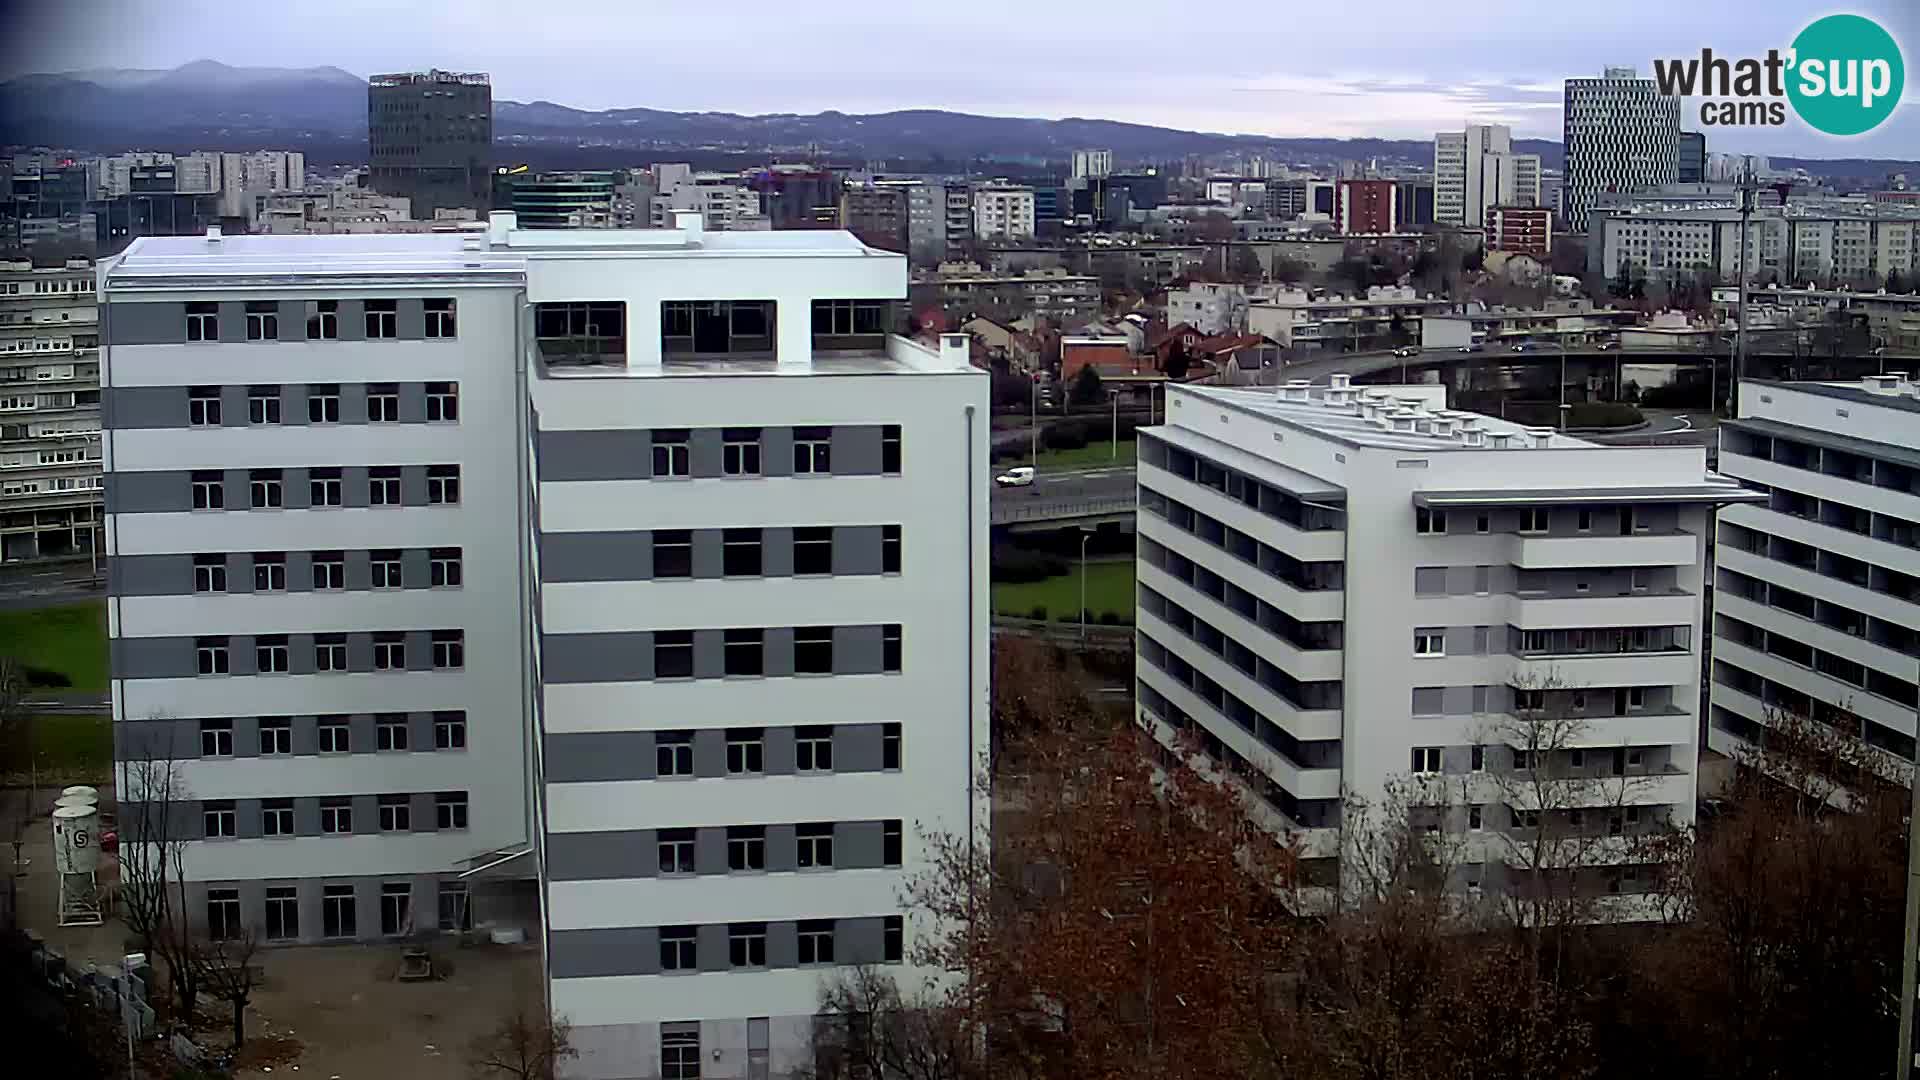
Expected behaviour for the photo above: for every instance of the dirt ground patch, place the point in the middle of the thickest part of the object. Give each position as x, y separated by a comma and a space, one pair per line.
354, 1021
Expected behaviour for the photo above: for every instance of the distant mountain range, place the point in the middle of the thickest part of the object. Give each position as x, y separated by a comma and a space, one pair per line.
209, 105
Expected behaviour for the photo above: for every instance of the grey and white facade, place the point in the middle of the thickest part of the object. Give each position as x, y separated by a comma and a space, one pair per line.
1342, 589
720, 609
1621, 134
1817, 598
49, 411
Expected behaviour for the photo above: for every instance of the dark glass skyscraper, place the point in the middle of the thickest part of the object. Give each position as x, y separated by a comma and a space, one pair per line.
430, 138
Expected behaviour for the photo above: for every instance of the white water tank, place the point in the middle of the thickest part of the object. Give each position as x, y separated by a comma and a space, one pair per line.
74, 800
76, 839
80, 789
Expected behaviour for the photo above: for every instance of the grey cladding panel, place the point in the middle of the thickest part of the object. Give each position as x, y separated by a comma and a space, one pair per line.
587, 756
233, 321
858, 941
856, 549
857, 650
412, 320
158, 657
159, 738
597, 856
125, 408
595, 455
596, 953
621, 556
587, 658
856, 451
150, 575
145, 324
858, 845
776, 451
153, 492
703, 452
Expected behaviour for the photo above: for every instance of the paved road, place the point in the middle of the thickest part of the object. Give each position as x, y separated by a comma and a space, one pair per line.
39, 585
1091, 484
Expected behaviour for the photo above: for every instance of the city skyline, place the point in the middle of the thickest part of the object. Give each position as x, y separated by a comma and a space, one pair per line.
1307, 76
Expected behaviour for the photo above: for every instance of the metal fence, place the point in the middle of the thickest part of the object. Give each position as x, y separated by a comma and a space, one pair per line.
1062, 509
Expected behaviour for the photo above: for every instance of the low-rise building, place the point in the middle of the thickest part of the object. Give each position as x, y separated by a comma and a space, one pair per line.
1003, 212
1525, 230
1299, 319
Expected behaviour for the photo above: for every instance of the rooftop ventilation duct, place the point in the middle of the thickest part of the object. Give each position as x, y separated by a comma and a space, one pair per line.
1402, 421
1296, 390
213, 234
1473, 437
1541, 437
1340, 380
1500, 439
1879, 384
1443, 426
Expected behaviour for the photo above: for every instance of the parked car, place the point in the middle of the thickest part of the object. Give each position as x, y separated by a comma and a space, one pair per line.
1407, 350
1523, 346
1606, 345
1018, 476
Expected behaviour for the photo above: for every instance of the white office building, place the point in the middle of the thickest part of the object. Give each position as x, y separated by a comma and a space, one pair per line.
1817, 599
1621, 134
49, 410
1002, 213
1092, 163
625, 586
1477, 168
1342, 588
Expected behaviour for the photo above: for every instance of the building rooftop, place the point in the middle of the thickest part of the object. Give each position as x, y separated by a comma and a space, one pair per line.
1389, 417
1900, 395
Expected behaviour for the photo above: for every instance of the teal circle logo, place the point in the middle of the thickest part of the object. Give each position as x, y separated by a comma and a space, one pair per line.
1847, 75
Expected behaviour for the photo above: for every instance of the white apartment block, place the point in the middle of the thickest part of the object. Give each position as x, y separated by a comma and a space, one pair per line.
1799, 246
1341, 588
1209, 307
723, 199
639, 575
245, 179
1817, 600
1004, 213
1092, 163
1620, 134
49, 410
1477, 168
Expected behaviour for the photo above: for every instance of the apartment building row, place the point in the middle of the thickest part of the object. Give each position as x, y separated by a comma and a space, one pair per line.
1801, 246
623, 587
49, 411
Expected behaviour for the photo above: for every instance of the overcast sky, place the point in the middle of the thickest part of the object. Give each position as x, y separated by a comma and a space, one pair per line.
1392, 68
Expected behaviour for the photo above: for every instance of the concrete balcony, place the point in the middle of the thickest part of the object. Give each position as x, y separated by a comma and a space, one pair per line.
1817, 585
1574, 670
1307, 725
1599, 550
1818, 685
1302, 783
1307, 545
1543, 612
1821, 485
1650, 727
1306, 605
1308, 664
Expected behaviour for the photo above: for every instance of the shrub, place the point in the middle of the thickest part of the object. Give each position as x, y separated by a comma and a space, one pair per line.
1039, 613
43, 678
1598, 414
1676, 395
1110, 618
1017, 566
1065, 437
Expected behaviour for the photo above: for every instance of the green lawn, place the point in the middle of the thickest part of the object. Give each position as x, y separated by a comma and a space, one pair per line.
1091, 456
73, 746
1109, 588
71, 640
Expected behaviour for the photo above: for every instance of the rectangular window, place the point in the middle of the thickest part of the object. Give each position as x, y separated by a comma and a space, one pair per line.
443, 403
740, 553
1473, 818
443, 485
455, 908
746, 847
1523, 760
203, 406
329, 570
893, 939
673, 754
1529, 700
223, 913
1482, 522
890, 746
1429, 522
219, 819
450, 810
263, 320
337, 911
283, 912
740, 451
269, 571
1429, 643
745, 652
449, 731
323, 403
209, 493
263, 405
812, 450
890, 647
813, 550
816, 941
383, 319
747, 945
892, 842
443, 568
383, 403
385, 566
889, 549
746, 752
1586, 520
1534, 519
209, 573
440, 322
264, 490
672, 553
203, 322
1426, 759
449, 650
673, 654
276, 817
336, 816
1479, 759
816, 845
890, 449
390, 731
396, 813
396, 908
813, 650
325, 487
390, 651
210, 655
677, 950
335, 735
383, 485
216, 738
676, 851
670, 452
813, 749
276, 735
323, 320
679, 1051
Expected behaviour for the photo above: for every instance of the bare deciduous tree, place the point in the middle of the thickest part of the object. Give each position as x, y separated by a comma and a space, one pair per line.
228, 971
153, 837
866, 1030
527, 1044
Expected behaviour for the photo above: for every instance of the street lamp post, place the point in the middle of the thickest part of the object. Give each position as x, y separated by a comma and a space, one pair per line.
1909, 960
1115, 395
1033, 421
1086, 534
